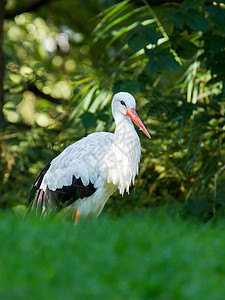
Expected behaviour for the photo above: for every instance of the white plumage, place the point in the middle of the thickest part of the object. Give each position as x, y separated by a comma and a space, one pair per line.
101, 162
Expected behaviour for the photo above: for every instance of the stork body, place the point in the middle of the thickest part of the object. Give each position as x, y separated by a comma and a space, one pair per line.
88, 172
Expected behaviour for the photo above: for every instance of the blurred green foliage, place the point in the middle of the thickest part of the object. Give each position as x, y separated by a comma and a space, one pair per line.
152, 257
64, 60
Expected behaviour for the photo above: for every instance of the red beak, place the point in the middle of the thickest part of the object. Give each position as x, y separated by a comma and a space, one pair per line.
134, 117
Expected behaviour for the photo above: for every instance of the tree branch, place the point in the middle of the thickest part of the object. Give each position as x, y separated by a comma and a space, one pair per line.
37, 92
9, 136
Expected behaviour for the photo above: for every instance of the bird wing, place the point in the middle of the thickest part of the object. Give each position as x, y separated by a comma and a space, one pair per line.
72, 175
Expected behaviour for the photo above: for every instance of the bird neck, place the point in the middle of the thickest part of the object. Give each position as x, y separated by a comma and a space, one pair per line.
124, 128
124, 154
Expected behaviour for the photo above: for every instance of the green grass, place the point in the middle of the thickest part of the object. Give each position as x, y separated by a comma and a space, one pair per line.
131, 257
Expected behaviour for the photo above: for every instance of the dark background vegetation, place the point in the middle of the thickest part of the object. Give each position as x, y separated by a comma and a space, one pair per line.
63, 60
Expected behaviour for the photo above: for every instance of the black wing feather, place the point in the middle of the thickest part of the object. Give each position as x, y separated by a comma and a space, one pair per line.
68, 194
38, 180
53, 201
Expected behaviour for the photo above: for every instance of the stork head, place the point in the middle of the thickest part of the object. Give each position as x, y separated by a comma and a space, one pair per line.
123, 104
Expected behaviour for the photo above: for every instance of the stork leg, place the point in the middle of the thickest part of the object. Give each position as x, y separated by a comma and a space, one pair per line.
77, 217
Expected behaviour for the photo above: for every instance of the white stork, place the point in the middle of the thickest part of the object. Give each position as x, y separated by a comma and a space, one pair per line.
89, 171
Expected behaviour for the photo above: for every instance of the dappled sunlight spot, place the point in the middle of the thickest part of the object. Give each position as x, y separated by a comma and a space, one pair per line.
49, 44
22, 19
43, 119
27, 107
24, 70
9, 106
70, 65
46, 90
15, 33
12, 116
32, 33
50, 82
39, 31
22, 54
60, 109
77, 37
40, 72
15, 78
159, 168
31, 28
57, 61
28, 45
63, 42
62, 89
45, 56
39, 84
39, 22
34, 169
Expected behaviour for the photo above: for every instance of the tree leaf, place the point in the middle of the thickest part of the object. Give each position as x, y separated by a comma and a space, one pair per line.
88, 120
131, 86
151, 67
142, 37
186, 49
151, 36
196, 21
188, 4
178, 20
217, 13
149, 53
167, 62
137, 41
217, 44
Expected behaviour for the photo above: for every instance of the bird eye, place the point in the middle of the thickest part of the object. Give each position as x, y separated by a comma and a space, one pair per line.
123, 103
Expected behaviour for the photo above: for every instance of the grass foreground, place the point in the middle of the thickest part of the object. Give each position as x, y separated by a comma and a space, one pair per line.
131, 257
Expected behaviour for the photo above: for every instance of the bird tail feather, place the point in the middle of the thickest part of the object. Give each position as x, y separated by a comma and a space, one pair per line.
42, 202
